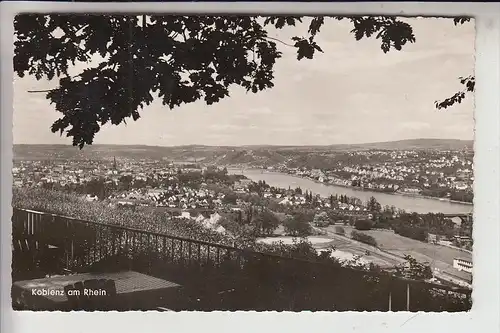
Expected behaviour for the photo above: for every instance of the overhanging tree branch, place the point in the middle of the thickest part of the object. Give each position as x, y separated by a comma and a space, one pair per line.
215, 51
457, 98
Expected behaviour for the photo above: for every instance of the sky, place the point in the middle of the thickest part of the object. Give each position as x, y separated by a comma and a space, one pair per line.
351, 93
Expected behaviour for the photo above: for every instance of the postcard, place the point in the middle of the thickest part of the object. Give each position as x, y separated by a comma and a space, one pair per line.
242, 163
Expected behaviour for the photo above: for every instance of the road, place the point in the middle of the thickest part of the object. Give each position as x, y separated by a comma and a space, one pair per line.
377, 256
386, 259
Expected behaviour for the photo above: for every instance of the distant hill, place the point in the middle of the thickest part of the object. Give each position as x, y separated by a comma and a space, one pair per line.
225, 155
418, 144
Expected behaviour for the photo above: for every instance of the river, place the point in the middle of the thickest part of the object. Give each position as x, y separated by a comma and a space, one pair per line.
408, 203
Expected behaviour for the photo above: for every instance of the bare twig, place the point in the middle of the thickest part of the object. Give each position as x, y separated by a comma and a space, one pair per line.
278, 40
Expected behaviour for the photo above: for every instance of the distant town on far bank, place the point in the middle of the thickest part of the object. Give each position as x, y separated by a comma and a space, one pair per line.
420, 190
429, 167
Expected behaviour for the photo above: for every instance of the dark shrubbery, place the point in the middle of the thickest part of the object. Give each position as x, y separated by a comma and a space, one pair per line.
363, 224
339, 230
364, 238
418, 233
298, 225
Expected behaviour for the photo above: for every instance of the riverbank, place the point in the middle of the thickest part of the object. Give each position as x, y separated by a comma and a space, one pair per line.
358, 189
432, 198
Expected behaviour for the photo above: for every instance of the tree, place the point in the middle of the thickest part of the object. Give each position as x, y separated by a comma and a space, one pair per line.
139, 183
125, 182
364, 238
230, 198
414, 232
345, 199
181, 58
249, 214
390, 210
297, 226
363, 224
412, 269
373, 205
339, 230
97, 187
266, 222
321, 219
306, 196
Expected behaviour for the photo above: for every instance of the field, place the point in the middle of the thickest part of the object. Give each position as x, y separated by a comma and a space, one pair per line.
440, 257
345, 249
289, 240
320, 243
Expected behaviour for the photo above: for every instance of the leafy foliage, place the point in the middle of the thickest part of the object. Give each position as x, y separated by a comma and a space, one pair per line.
266, 222
339, 230
469, 83
373, 205
182, 59
392, 32
363, 238
321, 219
461, 20
412, 269
298, 225
363, 224
418, 233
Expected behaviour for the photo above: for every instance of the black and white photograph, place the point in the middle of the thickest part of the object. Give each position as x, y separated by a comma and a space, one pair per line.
242, 163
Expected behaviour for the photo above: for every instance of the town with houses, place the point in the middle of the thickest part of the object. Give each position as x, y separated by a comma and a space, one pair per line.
442, 174
210, 196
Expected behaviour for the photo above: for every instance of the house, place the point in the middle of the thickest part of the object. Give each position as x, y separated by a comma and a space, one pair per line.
411, 190
285, 201
461, 186
200, 218
242, 183
464, 240
185, 215
462, 264
125, 203
90, 198
211, 222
